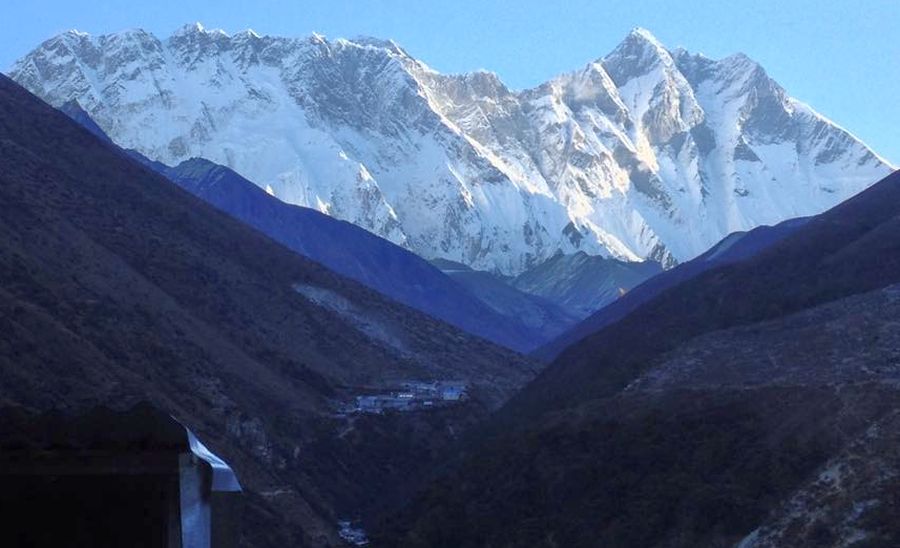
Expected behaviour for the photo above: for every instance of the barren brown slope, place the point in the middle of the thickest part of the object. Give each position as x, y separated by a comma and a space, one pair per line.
115, 285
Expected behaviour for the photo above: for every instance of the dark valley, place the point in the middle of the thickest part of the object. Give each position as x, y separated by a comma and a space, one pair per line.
263, 291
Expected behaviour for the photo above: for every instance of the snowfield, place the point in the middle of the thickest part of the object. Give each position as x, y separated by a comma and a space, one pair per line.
646, 153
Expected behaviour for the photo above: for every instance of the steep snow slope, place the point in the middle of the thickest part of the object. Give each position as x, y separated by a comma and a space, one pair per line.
645, 153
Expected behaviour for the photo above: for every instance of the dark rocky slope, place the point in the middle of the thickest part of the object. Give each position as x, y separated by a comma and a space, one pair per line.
850, 249
733, 248
722, 410
356, 253
117, 286
582, 284
348, 250
541, 318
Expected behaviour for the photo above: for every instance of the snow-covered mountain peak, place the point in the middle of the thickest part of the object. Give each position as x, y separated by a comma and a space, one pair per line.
639, 53
75, 32
197, 28
645, 153
594, 87
70, 39
644, 35
188, 29
484, 83
389, 45
643, 45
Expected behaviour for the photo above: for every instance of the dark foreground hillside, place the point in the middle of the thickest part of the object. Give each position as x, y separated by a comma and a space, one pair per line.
736, 247
754, 403
357, 254
850, 249
116, 286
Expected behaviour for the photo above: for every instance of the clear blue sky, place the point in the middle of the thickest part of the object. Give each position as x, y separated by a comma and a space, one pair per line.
840, 56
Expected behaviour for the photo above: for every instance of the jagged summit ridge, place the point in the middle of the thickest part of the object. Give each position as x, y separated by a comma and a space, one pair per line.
644, 153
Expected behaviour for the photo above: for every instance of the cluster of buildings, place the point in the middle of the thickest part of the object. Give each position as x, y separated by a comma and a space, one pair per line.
411, 396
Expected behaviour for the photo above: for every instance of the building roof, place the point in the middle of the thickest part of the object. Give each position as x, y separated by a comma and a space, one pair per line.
223, 477
35, 438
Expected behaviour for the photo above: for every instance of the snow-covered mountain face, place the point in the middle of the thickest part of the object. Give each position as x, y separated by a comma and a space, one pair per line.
645, 153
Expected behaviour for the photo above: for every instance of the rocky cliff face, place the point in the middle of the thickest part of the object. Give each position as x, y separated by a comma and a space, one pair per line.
645, 153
